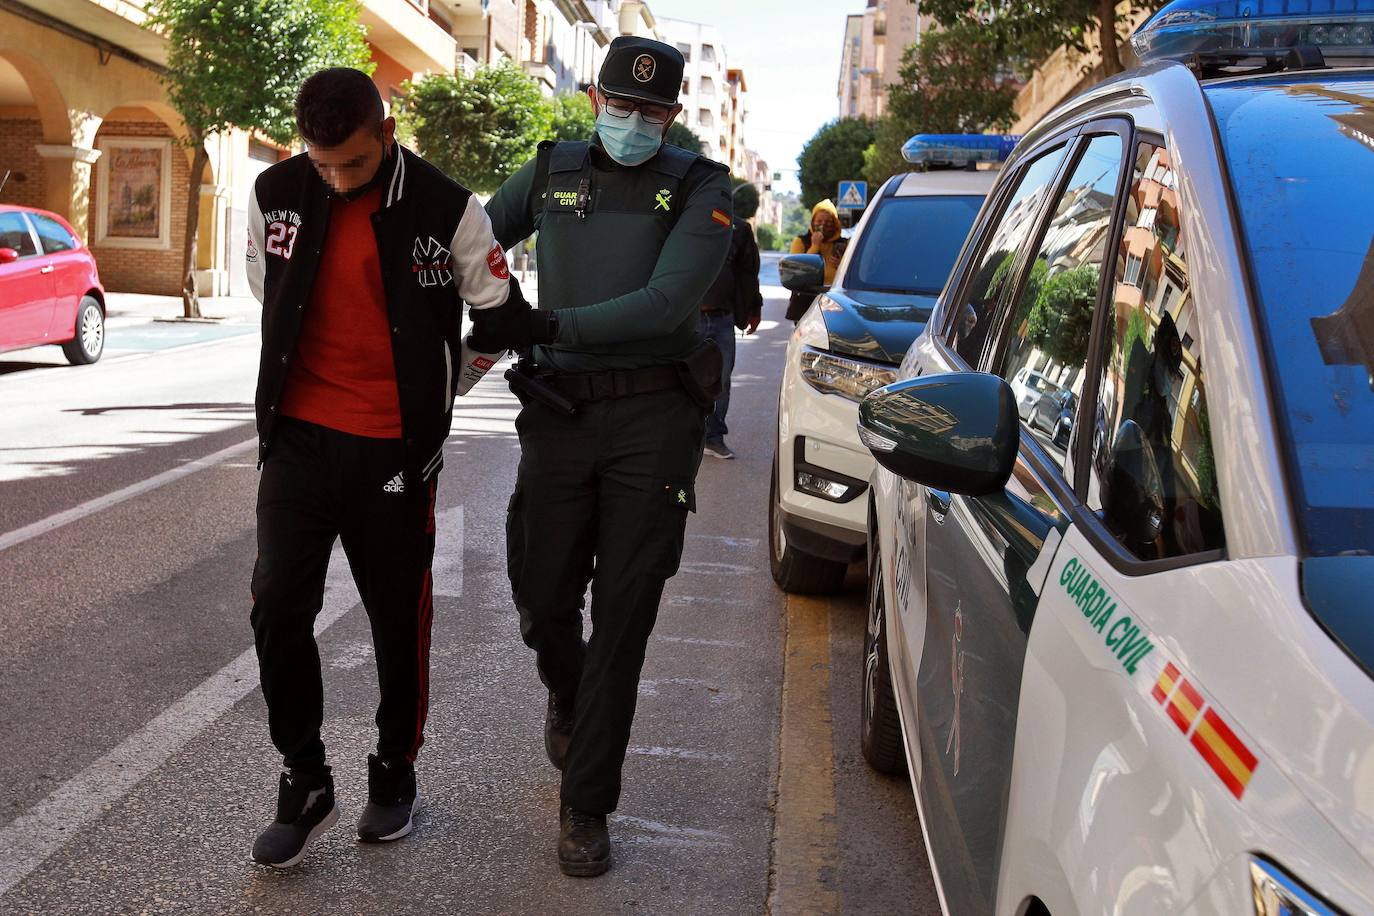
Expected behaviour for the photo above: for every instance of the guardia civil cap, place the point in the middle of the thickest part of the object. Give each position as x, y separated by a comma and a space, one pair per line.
643, 70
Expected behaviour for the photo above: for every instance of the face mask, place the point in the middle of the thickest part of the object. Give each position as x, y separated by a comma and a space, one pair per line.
629, 141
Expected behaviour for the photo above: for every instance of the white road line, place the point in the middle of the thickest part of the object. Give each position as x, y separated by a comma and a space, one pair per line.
677, 753
32, 838
90, 507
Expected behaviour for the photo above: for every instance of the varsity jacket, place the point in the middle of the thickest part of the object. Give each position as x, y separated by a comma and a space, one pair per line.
436, 249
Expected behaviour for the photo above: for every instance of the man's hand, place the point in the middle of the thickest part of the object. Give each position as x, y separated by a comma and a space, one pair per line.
753, 324
512, 326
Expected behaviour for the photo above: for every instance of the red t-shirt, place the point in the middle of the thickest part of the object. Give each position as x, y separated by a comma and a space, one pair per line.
343, 375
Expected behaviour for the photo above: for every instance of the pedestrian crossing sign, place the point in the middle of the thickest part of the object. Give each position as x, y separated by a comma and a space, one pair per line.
853, 195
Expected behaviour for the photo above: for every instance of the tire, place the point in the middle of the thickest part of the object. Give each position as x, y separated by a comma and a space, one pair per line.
880, 728
795, 572
89, 342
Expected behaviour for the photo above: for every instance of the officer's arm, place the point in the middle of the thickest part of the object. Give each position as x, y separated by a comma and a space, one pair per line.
748, 272
512, 217
690, 260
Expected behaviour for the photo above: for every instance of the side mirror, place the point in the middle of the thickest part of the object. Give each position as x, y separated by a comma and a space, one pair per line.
803, 273
957, 432
7, 255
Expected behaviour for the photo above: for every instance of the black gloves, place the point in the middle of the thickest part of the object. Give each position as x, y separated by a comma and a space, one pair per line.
513, 325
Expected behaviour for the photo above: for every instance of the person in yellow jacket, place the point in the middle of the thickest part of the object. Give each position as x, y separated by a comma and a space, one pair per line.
824, 239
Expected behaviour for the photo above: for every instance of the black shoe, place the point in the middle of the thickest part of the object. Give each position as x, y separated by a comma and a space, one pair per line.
305, 809
558, 729
584, 844
391, 801
719, 450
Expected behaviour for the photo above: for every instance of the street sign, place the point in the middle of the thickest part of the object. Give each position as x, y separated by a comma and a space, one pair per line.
853, 195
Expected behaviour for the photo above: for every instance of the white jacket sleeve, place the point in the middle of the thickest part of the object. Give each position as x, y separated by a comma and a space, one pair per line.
479, 264
253, 257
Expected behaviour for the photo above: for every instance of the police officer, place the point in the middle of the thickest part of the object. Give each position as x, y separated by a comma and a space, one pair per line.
631, 234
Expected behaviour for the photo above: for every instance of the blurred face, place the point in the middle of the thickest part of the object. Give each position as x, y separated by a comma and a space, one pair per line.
825, 224
353, 163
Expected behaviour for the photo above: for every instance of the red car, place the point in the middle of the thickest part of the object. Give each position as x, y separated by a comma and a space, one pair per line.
50, 291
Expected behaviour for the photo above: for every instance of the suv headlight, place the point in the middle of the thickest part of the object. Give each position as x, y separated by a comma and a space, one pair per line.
829, 373
1278, 894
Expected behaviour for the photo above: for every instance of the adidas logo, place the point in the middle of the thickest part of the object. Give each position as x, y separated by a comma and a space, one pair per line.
395, 485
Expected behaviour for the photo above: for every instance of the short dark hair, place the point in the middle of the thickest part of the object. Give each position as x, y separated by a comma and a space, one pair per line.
334, 103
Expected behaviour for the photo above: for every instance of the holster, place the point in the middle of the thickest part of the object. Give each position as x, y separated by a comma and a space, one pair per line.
700, 373
524, 380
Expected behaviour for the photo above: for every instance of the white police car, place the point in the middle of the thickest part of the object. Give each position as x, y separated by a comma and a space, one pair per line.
1136, 675
851, 340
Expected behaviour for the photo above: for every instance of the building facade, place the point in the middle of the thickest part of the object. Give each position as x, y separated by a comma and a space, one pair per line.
871, 60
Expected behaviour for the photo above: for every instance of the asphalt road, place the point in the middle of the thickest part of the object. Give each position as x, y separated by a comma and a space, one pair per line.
135, 760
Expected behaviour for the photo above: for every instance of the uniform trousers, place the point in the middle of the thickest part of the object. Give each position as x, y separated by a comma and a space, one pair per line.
601, 498
319, 486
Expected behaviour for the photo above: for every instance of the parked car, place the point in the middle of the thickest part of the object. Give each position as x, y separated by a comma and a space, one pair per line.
1053, 413
50, 290
848, 343
1136, 676
1029, 387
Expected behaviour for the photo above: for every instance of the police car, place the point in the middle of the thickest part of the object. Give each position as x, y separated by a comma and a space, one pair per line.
1136, 674
851, 340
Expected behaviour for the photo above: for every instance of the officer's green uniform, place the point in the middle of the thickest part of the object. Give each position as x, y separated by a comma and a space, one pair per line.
625, 254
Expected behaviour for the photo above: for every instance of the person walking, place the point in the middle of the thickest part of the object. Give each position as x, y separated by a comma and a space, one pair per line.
631, 233
733, 301
825, 240
361, 254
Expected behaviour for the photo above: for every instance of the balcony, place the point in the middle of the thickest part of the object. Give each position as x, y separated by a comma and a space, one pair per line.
120, 22
401, 31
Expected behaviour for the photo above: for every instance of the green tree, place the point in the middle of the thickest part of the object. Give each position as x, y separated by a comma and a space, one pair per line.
834, 154
573, 117
478, 128
953, 81
768, 237
226, 69
680, 134
1062, 313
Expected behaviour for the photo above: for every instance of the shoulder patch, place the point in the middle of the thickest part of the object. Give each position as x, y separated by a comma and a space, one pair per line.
720, 217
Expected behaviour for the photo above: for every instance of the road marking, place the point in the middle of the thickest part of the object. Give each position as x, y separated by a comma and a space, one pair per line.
804, 835
681, 753
716, 569
90, 507
657, 834
694, 641
32, 838
726, 540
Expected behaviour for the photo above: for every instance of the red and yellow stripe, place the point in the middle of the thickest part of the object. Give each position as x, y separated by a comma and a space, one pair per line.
1165, 685
1184, 706
1224, 752
721, 217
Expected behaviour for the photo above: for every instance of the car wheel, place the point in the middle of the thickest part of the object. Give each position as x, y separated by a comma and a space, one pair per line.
89, 342
881, 729
796, 572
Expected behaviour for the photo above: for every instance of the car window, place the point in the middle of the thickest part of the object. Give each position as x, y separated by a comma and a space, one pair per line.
974, 313
1153, 478
1047, 352
910, 244
14, 233
51, 234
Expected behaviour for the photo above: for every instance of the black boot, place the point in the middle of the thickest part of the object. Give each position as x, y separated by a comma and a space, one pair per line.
391, 800
584, 844
305, 809
558, 729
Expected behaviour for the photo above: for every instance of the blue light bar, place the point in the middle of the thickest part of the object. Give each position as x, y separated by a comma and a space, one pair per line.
958, 149
1257, 28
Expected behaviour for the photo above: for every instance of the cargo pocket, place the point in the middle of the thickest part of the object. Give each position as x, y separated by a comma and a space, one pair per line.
677, 500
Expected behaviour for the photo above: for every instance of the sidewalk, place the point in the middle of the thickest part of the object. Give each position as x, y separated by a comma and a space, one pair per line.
140, 308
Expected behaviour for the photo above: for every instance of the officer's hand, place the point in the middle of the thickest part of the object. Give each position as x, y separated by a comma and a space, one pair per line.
512, 326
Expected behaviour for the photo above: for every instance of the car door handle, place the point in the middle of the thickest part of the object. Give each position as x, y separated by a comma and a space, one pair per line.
47, 270
938, 501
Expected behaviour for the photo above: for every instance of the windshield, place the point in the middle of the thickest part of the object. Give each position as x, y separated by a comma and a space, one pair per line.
1301, 156
910, 243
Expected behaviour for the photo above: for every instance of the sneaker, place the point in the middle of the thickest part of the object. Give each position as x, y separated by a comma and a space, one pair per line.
719, 450
305, 809
584, 844
391, 801
558, 729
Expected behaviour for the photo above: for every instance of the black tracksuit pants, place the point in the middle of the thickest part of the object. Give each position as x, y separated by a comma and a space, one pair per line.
601, 497
319, 485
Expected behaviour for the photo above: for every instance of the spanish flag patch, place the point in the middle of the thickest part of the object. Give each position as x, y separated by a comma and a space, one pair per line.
721, 217
1222, 749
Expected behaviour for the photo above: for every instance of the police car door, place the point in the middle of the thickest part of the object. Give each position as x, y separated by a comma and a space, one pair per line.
986, 557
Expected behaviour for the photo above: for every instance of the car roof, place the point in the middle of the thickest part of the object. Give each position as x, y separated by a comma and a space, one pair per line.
951, 181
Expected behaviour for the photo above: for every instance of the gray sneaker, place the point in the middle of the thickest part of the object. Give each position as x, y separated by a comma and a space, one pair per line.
305, 809
719, 450
391, 801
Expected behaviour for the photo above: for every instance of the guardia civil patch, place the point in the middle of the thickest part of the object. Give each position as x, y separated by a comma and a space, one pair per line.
721, 217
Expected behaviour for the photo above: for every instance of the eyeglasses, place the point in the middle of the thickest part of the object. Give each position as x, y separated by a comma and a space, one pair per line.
623, 108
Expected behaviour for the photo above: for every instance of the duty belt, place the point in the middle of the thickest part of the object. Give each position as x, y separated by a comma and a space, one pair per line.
613, 383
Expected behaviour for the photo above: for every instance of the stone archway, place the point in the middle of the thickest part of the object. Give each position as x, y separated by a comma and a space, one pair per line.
38, 139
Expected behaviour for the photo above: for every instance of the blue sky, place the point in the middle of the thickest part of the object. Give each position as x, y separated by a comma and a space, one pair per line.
790, 54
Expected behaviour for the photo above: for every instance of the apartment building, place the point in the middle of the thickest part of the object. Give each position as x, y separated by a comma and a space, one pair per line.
871, 61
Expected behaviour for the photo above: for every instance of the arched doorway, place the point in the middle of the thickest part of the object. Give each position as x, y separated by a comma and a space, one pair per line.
35, 126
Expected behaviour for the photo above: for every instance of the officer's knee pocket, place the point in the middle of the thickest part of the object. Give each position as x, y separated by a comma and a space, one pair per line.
677, 500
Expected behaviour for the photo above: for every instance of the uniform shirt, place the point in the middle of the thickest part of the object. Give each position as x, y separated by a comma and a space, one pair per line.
343, 375
611, 316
